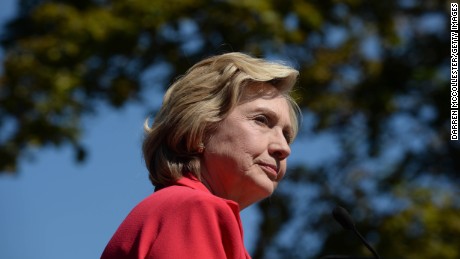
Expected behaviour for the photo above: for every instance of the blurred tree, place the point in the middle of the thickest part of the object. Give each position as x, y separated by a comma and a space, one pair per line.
374, 87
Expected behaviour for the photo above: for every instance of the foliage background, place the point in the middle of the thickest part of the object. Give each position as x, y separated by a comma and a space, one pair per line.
374, 90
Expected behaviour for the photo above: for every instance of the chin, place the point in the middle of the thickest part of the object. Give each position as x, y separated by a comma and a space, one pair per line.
267, 189
259, 192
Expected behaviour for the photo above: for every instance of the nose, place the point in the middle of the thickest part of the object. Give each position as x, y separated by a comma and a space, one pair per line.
279, 147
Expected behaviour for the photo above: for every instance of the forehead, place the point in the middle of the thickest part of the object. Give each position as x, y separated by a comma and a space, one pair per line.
266, 91
274, 106
258, 90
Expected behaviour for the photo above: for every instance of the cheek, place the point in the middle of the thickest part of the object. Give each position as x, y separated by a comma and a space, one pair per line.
232, 153
237, 144
248, 146
283, 168
230, 140
283, 165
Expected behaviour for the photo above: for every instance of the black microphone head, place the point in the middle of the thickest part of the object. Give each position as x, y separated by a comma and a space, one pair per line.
341, 215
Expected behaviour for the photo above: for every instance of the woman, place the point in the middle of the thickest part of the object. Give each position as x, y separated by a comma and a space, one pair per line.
218, 144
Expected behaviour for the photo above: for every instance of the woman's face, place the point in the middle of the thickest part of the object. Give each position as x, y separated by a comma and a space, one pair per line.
245, 157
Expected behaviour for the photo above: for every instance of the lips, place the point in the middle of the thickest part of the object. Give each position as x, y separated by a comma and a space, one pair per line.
271, 170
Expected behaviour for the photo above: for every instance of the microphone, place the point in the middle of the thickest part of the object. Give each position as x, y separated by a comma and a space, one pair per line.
341, 215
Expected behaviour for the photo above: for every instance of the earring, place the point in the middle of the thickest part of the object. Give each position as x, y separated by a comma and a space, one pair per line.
200, 148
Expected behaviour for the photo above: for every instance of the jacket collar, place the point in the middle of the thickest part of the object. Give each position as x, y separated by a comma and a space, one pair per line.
191, 181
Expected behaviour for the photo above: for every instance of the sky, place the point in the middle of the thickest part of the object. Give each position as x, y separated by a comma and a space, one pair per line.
55, 208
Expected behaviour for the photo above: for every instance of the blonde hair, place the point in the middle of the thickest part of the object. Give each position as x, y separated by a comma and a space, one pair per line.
197, 102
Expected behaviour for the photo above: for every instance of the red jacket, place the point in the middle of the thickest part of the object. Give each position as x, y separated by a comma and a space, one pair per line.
181, 221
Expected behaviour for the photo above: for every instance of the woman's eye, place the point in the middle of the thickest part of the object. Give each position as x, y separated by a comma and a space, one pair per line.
262, 119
